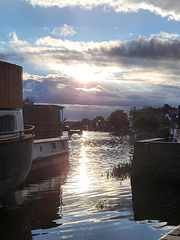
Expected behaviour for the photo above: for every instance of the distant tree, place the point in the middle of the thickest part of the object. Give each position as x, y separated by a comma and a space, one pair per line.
98, 123
166, 122
140, 122
77, 125
167, 108
147, 107
27, 103
118, 121
147, 123
97, 118
86, 123
153, 124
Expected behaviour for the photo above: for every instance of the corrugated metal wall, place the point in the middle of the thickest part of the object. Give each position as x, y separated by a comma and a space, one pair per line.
10, 86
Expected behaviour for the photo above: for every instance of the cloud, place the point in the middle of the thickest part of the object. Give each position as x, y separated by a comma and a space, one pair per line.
98, 60
66, 91
106, 94
100, 52
164, 8
88, 61
165, 35
143, 71
15, 41
64, 31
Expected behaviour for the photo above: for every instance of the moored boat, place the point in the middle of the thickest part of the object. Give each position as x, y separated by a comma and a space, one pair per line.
50, 146
48, 152
16, 141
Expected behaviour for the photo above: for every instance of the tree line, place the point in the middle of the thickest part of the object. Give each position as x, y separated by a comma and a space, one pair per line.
117, 122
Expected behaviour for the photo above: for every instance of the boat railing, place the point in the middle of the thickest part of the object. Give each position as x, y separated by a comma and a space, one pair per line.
28, 129
47, 129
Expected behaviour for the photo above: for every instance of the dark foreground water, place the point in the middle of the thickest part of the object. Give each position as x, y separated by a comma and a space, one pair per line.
81, 200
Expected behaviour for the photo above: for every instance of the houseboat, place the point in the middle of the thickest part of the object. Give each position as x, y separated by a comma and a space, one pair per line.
50, 146
16, 141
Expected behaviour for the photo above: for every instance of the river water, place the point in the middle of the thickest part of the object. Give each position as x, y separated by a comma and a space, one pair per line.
81, 200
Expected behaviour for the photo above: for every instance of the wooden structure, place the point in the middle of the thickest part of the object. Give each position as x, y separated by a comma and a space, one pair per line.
172, 235
156, 160
47, 120
10, 86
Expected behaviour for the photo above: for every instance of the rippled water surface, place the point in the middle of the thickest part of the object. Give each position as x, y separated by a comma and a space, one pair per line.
81, 200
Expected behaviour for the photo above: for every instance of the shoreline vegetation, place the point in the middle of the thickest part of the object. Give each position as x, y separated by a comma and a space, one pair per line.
120, 171
141, 123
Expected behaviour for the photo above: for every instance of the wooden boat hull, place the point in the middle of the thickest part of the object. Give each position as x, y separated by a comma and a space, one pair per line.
15, 162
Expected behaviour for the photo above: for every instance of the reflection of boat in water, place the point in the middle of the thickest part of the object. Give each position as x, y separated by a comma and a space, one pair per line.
38, 204
50, 147
156, 202
16, 143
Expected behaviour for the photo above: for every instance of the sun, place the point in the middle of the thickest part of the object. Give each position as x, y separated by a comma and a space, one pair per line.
84, 74
88, 73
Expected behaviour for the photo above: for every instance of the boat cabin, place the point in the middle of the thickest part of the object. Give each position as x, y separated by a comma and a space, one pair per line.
11, 123
47, 120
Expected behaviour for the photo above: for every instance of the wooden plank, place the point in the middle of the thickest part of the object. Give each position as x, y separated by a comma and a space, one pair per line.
170, 237
175, 231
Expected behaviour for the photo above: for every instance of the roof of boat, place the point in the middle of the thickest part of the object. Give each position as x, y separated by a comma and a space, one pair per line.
49, 105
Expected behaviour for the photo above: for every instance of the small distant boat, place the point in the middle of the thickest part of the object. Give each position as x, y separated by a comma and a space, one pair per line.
16, 141
50, 146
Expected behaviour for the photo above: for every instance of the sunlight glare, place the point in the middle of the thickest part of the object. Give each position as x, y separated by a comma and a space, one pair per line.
83, 176
84, 74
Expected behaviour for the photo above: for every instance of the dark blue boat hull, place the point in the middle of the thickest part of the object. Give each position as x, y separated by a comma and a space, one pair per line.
15, 162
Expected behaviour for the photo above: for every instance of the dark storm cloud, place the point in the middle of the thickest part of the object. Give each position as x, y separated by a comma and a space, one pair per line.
137, 52
144, 48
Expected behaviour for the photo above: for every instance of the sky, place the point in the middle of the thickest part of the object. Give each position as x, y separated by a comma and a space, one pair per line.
94, 56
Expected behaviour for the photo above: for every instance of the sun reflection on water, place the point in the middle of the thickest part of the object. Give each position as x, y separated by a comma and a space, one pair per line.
84, 181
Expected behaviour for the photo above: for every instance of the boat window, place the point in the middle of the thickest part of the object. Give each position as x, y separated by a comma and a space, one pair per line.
53, 145
7, 123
